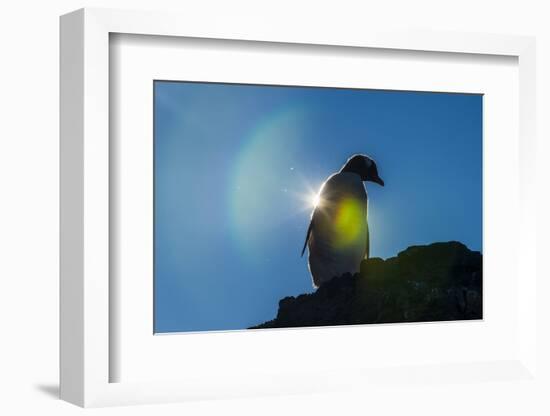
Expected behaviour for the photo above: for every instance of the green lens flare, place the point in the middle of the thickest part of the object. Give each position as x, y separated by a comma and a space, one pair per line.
348, 222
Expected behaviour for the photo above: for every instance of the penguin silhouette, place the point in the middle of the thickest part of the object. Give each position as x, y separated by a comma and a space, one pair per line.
338, 232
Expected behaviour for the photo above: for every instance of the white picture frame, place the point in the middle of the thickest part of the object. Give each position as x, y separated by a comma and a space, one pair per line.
86, 355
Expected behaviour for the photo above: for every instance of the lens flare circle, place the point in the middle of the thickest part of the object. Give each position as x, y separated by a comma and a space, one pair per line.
260, 198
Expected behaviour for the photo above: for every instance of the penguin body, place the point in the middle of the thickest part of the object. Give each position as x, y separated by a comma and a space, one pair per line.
338, 234
338, 241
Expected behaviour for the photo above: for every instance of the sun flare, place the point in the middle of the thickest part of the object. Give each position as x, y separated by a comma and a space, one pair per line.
309, 196
315, 200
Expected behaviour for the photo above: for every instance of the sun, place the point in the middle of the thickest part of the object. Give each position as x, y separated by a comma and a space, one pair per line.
309, 196
315, 200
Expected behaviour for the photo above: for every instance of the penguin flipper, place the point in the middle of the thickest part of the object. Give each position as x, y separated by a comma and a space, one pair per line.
367, 249
307, 236
367, 245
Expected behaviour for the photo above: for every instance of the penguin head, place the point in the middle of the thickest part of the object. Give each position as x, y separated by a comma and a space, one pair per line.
365, 167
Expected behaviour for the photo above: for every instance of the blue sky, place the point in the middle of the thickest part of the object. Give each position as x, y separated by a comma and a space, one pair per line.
236, 167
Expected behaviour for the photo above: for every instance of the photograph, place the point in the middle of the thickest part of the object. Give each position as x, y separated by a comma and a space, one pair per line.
283, 206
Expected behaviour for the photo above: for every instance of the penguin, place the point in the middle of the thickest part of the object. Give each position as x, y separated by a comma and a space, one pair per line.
338, 232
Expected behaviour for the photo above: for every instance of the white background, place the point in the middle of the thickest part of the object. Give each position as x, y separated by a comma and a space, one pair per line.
29, 207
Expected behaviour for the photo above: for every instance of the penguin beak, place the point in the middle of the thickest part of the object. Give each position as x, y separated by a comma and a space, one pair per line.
378, 180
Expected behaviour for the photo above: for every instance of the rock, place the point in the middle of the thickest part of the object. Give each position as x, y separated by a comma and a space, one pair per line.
436, 282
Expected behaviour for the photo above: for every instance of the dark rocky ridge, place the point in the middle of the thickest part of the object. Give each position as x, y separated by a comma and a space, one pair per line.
436, 282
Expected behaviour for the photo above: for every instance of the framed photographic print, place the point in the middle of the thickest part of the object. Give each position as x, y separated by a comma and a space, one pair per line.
245, 212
